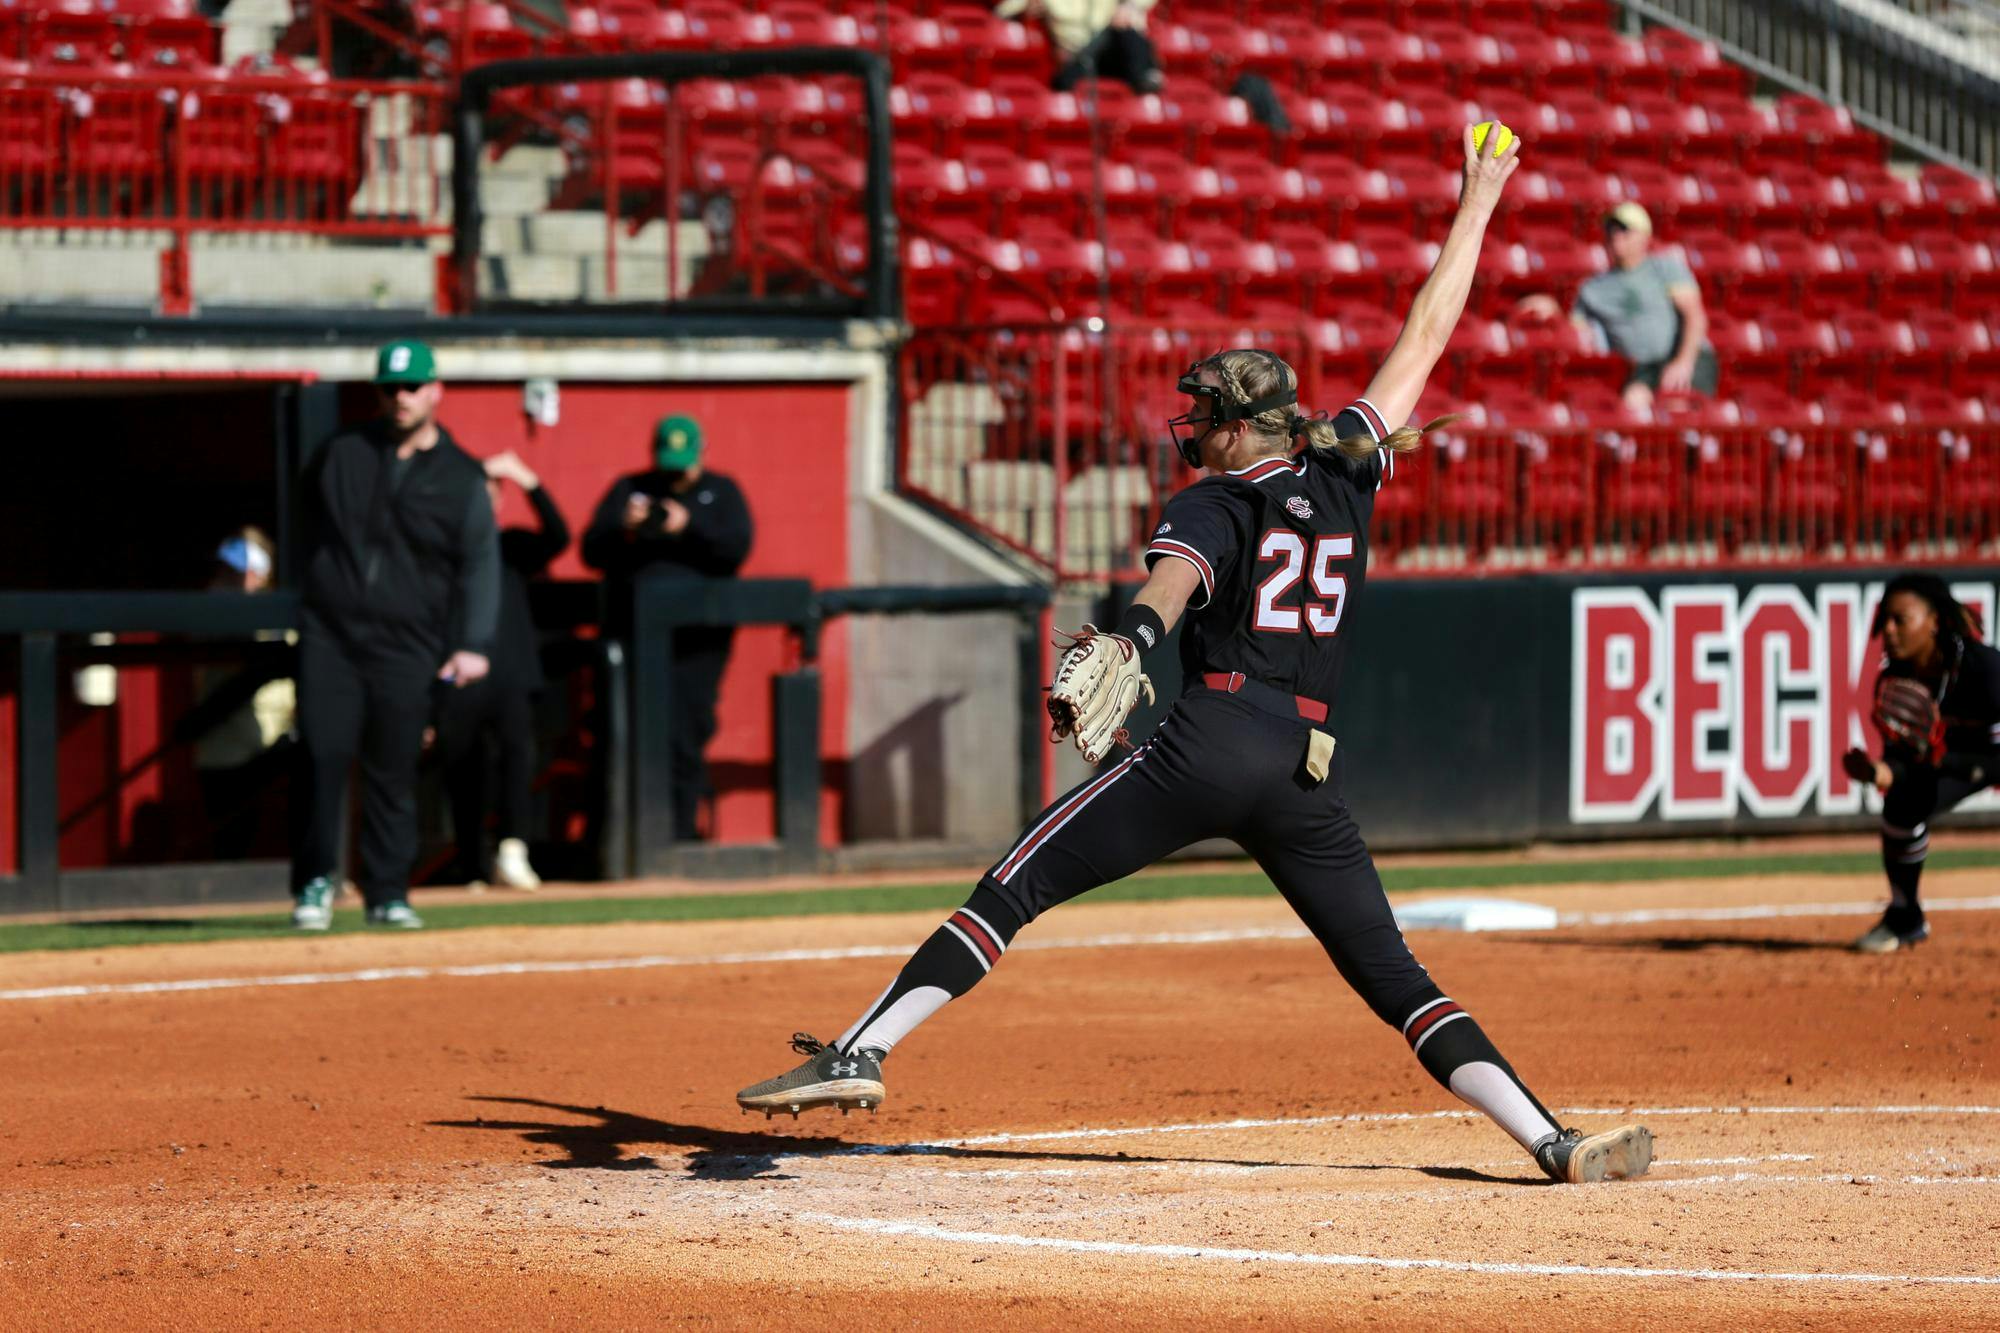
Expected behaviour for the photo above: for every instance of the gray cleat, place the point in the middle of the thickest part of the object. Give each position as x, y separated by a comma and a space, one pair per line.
829, 1078
1579, 1159
1885, 938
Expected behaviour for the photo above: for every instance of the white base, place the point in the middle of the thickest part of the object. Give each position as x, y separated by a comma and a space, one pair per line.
1474, 914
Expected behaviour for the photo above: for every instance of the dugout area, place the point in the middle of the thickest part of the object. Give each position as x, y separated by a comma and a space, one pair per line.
1156, 1114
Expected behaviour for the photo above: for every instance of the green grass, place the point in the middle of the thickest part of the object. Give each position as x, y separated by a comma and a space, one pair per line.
560, 910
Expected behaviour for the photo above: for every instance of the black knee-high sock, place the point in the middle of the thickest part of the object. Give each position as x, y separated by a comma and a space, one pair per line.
1454, 1051
944, 967
1903, 853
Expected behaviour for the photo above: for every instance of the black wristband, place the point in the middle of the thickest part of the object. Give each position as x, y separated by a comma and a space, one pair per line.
1143, 626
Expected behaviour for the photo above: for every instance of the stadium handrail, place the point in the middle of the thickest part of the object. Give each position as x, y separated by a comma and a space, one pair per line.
883, 297
1809, 46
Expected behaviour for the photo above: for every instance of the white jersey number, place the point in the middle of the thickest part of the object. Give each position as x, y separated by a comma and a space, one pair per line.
1288, 549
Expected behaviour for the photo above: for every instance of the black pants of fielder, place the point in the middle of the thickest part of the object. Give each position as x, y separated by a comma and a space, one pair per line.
363, 695
472, 724
1907, 809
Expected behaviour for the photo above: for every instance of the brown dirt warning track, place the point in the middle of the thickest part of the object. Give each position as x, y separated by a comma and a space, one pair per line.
1163, 1115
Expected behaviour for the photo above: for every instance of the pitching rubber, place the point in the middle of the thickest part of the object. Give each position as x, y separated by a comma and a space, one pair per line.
1616, 1154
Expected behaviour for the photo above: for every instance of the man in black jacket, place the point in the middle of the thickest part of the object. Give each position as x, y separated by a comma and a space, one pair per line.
677, 520
502, 704
399, 535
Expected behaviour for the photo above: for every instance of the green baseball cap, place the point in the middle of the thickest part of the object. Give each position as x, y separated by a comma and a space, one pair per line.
676, 444
405, 361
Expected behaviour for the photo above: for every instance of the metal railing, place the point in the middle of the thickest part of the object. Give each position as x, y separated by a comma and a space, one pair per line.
1050, 442
1926, 100
777, 159
174, 155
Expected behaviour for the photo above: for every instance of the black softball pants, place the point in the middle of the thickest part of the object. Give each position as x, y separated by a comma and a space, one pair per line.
365, 696
467, 719
1221, 767
1907, 809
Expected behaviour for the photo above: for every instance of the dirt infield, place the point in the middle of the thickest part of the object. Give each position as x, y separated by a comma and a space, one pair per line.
1159, 1115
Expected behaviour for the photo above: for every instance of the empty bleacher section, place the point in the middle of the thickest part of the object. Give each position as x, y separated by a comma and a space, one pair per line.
1066, 253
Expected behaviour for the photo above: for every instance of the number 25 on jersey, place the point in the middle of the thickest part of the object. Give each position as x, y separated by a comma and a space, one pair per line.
1288, 550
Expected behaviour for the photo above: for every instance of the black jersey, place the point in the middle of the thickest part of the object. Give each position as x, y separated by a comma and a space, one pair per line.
1282, 549
1969, 700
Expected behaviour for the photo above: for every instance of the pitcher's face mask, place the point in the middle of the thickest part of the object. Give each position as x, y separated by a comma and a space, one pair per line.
1212, 409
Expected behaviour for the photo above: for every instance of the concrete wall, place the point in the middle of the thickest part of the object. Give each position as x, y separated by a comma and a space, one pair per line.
934, 721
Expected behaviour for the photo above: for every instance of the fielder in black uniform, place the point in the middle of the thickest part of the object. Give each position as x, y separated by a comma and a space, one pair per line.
1266, 555
1937, 705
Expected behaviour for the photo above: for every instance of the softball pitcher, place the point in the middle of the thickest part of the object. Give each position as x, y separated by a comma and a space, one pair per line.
1265, 556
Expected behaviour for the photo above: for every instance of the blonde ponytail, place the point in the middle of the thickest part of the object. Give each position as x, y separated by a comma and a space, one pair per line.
1319, 434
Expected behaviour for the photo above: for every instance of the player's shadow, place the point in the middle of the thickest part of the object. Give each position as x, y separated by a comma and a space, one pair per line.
600, 1139
1698, 943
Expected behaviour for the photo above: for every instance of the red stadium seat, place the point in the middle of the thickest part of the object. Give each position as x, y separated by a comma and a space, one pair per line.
31, 132
1565, 356
1888, 273
925, 44
1902, 487
1581, 125
936, 109
1307, 43
1834, 143
1430, 123
1972, 202
1790, 348
1700, 71
1067, 267
71, 33
1662, 126
1469, 62
1736, 131
1724, 197
219, 143
1929, 405
935, 190
1723, 266
1963, 351
1624, 65
1965, 268
800, 24
1527, 53
1016, 186
1861, 348
1662, 191
172, 40
1794, 267
1370, 53
1015, 48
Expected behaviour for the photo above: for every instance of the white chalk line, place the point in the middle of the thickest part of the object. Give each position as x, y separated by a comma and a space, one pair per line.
1115, 941
1384, 1117
996, 1239
946, 1171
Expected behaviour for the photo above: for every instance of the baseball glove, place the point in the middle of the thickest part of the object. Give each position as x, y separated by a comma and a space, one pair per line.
1907, 716
1097, 685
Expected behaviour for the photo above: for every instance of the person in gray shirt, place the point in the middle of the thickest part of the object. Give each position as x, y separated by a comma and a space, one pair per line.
1646, 308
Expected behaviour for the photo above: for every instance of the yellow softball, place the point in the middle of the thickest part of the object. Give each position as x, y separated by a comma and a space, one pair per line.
1479, 137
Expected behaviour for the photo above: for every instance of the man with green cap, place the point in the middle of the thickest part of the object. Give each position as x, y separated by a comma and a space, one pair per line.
401, 596
677, 519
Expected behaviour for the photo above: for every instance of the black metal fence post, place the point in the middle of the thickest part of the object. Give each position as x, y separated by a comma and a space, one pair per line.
39, 817
795, 706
